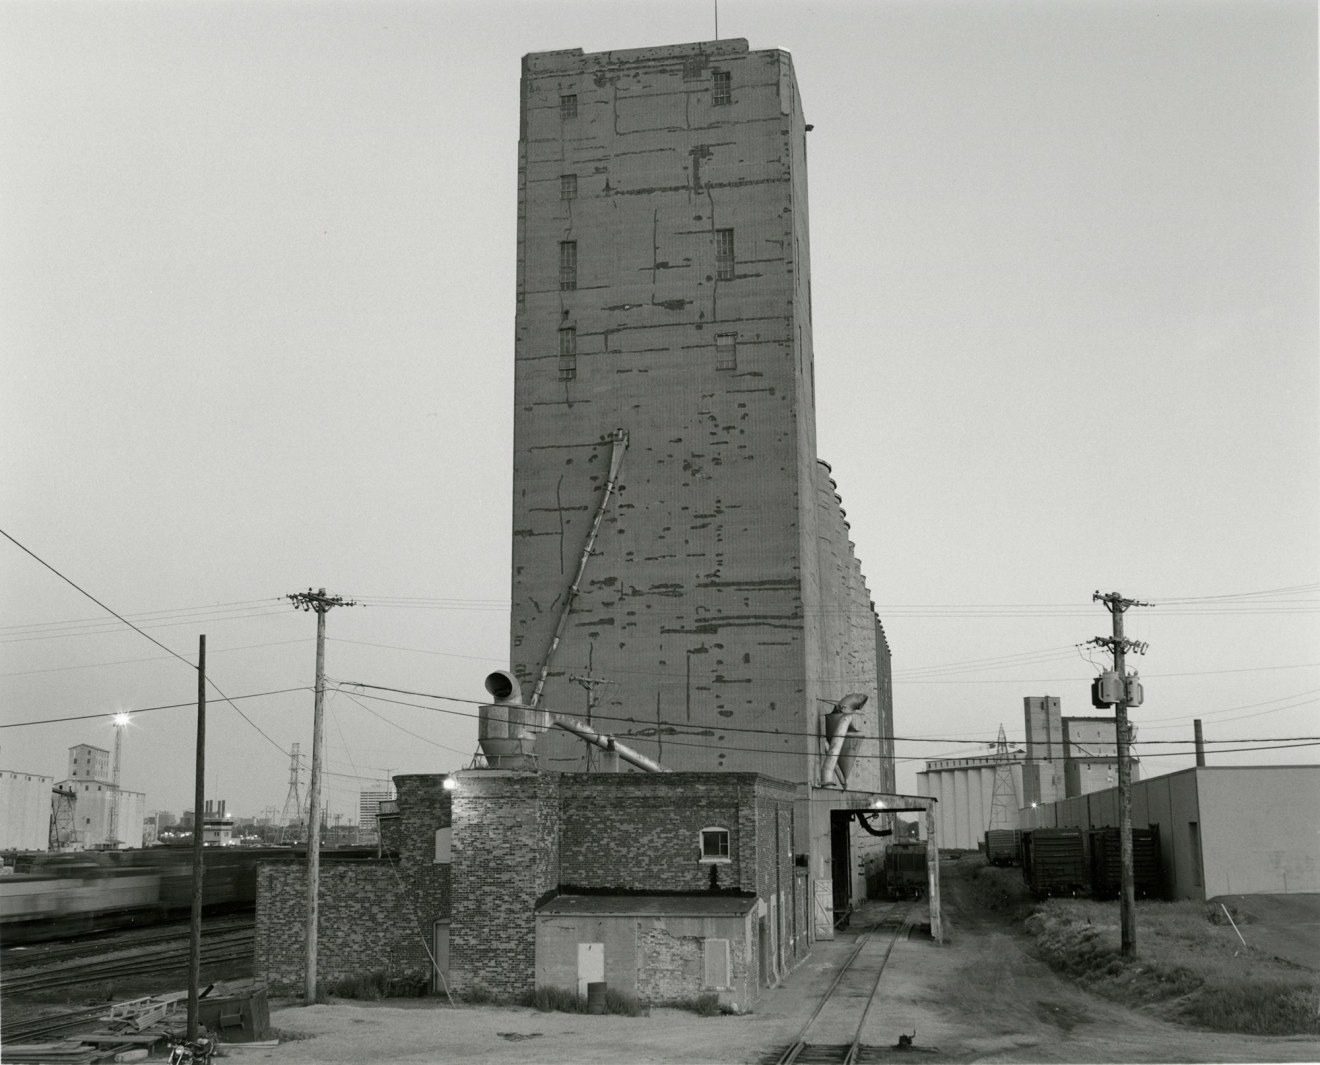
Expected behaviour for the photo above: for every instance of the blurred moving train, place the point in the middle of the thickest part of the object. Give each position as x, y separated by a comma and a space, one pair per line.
54, 896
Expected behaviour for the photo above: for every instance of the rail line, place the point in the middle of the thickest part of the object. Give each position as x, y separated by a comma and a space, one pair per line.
854, 980
148, 958
29, 955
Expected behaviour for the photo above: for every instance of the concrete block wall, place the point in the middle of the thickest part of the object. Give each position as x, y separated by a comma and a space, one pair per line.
702, 600
506, 828
365, 924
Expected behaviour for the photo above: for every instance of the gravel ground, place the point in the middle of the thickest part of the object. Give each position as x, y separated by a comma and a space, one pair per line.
981, 997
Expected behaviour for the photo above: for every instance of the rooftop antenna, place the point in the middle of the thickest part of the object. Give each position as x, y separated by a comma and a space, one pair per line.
717, 19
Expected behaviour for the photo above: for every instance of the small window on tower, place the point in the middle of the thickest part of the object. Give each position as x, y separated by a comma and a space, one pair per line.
568, 186
567, 265
724, 260
726, 351
715, 845
568, 106
567, 354
721, 88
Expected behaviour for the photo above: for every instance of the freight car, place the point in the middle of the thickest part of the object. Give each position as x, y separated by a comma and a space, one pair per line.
1055, 861
905, 870
1003, 846
73, 894
1107, 866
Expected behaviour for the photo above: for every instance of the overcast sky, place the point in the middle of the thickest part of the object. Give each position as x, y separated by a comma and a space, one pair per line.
256, 334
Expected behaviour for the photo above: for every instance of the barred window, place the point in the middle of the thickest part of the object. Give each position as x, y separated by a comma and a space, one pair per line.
568, 106
724, 260
567, 265
721, 88
726, 351
567, 354
568, 186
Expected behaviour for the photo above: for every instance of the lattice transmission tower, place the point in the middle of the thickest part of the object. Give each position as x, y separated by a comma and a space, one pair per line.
293, 803
1004, 803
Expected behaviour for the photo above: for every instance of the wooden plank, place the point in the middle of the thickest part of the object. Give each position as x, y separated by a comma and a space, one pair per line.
137, 1038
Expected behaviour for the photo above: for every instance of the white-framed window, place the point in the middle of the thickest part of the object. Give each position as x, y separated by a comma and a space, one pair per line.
568, 186
721, 88
725, 263
568, 265
568, 105
567, 354
714, 843
726, 351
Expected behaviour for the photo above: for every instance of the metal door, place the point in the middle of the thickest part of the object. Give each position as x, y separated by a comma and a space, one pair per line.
591, 965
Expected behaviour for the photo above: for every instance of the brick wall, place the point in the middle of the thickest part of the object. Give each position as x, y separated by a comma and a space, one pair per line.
505, 860
365, 924
642, 833
373, 916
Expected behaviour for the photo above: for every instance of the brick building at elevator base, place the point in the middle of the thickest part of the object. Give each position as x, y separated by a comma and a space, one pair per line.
661, 885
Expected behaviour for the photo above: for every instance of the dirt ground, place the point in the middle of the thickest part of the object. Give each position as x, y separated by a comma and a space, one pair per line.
1287, 926
980, 997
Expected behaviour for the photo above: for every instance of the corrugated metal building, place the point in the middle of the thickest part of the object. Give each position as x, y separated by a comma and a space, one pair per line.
1223, 829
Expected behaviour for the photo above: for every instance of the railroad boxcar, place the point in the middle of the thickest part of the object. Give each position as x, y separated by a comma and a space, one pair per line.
1054, 861
905, 870
1003, 846
1107, 864
35, 906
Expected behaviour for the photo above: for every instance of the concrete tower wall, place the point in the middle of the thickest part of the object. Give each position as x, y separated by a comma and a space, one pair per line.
701, 608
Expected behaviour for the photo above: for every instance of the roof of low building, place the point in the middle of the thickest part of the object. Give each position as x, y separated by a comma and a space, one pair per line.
649, 905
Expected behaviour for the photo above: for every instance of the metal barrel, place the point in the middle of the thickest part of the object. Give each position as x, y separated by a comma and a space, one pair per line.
596, 997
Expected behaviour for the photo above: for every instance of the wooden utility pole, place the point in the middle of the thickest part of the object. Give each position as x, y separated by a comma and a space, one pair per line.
1127, 695
322, 604
199, 800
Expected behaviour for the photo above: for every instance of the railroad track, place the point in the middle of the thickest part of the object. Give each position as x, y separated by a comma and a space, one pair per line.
160, 956
857, 979
29, 955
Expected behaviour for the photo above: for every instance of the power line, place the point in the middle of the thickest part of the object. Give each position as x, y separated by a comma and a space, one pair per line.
168, 650
685, 727
148, 709
155, 658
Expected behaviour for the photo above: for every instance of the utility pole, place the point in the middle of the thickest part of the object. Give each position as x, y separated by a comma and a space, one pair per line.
1121, 691
322, 604
198, 870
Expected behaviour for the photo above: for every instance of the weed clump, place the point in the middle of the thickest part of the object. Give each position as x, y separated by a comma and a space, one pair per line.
374, 986
567, 1000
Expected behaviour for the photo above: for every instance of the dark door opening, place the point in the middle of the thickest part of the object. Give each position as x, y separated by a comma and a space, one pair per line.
841, 865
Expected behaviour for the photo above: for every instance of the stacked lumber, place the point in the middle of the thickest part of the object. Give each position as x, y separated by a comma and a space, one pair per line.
67, 1051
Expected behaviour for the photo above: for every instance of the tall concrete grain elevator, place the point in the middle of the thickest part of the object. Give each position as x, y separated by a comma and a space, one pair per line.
682, 573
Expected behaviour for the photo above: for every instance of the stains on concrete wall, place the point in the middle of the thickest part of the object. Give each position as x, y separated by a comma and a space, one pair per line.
704, 597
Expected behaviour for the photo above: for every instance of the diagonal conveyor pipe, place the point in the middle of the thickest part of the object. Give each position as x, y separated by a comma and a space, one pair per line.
616, 460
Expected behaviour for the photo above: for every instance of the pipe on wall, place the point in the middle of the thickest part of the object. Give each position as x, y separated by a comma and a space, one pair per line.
837, 723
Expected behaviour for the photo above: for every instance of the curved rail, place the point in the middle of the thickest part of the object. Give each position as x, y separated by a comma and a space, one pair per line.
849, 1056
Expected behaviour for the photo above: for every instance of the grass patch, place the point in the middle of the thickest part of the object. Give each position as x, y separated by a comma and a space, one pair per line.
567, 1000
480, 995
704, 1005
1188, 967
372, 987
